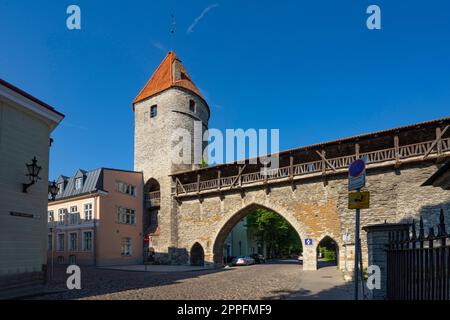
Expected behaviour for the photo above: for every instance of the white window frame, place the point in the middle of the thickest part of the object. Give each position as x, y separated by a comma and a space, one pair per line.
89, 210
126, 252
74, 213
51, 216
126, 216
125, 188
78, 183
62, 213
60, 188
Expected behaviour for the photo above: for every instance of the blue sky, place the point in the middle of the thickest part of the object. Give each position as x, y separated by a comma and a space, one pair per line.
309, 68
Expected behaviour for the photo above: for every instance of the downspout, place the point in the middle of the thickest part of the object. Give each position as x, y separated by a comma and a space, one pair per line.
95, 231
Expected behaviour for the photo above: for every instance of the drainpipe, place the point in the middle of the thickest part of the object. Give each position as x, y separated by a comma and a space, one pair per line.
95, 232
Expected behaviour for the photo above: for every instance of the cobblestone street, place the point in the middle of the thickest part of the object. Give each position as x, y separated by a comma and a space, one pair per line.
280, 280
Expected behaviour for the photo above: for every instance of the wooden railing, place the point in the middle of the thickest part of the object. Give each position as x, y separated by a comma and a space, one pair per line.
396, 153
153, 199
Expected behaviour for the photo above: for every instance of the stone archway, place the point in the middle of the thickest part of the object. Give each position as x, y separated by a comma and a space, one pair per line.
309, 257
332, 248
197, 255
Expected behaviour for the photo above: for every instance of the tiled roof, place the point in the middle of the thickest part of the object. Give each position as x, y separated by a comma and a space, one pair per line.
166, 77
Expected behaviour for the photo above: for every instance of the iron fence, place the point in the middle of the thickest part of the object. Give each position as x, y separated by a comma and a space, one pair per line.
418, 266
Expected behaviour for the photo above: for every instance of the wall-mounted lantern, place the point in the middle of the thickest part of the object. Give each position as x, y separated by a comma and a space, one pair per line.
33, 174
53, 189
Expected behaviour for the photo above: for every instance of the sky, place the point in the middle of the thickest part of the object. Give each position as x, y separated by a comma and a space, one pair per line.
311, 69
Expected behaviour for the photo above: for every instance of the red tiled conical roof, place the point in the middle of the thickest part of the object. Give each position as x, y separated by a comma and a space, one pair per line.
170, 73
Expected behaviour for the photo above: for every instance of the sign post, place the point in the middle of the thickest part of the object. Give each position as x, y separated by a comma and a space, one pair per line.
357, 180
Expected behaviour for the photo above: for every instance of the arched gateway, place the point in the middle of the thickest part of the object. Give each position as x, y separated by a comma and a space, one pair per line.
234, 219
309, 188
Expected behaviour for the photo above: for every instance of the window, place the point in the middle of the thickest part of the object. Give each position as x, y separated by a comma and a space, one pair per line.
78, 183
153, 111
126, 216
73, 239
72, 259
60, 259
87, 241
88, 212
60, 188
60, 243
62, 216
126, 247
51, 216
192, 105
50, 242
125, 188
311, 167
73, 217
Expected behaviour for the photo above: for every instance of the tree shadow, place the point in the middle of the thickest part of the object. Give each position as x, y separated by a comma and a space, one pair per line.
341, 292
98, 282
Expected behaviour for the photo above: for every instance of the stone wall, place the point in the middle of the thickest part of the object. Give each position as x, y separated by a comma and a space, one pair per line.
152, 150
315, 209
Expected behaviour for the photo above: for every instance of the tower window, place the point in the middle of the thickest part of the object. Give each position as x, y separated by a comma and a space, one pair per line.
192, 105
153, 111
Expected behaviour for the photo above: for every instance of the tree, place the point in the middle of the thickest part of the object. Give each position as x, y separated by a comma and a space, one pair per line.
275, 232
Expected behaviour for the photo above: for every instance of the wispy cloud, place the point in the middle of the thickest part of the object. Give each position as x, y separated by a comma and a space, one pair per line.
200, 17
160, 47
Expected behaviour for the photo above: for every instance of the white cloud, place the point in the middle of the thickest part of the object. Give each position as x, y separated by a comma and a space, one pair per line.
160, 47
200, 17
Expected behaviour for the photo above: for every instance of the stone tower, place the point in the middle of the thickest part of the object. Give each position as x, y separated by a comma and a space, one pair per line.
169, 101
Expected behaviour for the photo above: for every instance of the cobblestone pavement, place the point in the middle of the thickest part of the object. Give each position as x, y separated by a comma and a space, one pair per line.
281, 280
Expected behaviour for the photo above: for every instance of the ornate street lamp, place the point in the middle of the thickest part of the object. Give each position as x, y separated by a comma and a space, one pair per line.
33, 174
53, 189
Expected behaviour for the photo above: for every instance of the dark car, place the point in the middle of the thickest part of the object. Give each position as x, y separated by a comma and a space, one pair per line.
259, 258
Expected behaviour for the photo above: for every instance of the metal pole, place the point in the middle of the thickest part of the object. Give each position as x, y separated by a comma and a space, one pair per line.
356, 273
361, 270
53, 244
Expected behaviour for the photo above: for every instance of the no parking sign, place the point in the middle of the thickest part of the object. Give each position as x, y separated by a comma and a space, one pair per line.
356, 175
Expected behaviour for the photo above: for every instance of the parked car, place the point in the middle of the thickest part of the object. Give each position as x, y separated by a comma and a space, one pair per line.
243, 261
259, 258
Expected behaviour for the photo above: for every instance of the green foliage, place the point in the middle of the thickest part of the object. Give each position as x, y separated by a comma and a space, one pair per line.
275, 232
204, 164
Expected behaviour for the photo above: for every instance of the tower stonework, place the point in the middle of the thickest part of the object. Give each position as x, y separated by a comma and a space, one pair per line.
168, 102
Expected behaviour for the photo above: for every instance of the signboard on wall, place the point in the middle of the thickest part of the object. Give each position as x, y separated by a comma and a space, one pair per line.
308, 242
358, 200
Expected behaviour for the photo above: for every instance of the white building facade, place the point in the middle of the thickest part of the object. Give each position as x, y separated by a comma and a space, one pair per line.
25, 127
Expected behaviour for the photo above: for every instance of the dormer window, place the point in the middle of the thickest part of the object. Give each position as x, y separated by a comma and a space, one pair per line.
192, 105
78, 183
153, 111
60, 188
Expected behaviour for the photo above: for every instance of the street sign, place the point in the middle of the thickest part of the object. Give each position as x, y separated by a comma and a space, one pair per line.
356, 175
358, 200
308, 242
